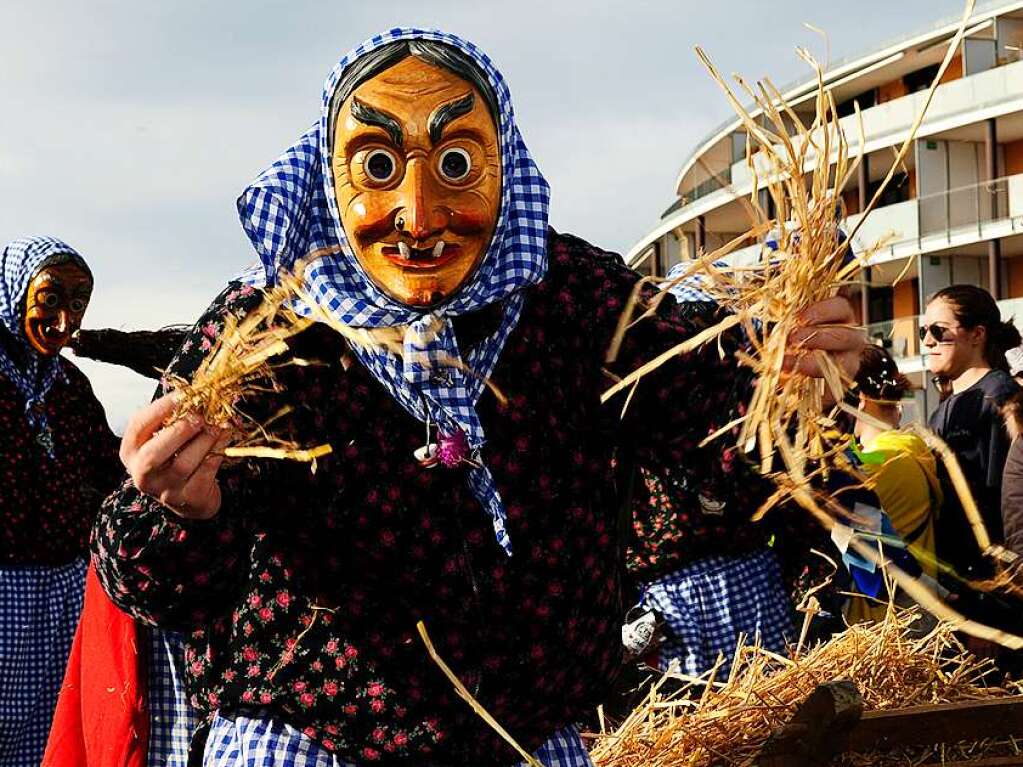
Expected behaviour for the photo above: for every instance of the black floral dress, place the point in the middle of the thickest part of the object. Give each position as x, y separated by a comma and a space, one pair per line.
48, 504
302, 595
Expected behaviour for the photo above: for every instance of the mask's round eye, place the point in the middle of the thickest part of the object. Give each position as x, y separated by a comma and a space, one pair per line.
50, 300
455, 164
78, 305
380, 165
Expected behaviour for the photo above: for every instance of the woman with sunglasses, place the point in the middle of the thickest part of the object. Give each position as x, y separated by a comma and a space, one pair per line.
964, 342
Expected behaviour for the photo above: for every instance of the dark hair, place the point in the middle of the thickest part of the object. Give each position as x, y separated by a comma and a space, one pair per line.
879, 377
386, 56
974, 307
943, 386
1012, 412
59, 259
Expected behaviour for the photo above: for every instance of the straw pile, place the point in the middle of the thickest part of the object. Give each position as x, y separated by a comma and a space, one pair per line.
709, 722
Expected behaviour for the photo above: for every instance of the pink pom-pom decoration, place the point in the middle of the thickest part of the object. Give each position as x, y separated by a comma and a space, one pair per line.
453, 449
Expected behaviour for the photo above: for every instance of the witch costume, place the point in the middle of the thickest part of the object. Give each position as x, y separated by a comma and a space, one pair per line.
58, 459
301, 596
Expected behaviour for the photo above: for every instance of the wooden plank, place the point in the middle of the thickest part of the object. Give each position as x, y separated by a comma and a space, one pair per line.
944, 723
816, 732
994, 761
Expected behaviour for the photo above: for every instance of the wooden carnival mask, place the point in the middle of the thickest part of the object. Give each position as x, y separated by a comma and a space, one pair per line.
55, 303
417, 174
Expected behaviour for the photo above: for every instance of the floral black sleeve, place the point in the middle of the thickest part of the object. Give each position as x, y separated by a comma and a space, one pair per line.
161, 568
105, 469
702, 495
684, 401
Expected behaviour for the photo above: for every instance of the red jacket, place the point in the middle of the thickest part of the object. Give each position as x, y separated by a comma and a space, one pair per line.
101, 718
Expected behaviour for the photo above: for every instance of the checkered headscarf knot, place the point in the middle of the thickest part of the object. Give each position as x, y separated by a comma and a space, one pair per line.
290, 211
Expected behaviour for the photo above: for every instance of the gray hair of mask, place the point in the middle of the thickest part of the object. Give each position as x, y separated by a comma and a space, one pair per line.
383, 58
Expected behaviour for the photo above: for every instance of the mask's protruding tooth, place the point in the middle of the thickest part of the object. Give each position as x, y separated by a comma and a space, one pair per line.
438, 248
404, 252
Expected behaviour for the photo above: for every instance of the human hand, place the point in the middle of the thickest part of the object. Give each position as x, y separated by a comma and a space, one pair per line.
828, 326
176, 464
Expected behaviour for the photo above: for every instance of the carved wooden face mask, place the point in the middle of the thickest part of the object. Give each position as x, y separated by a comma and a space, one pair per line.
417, 172
55, 303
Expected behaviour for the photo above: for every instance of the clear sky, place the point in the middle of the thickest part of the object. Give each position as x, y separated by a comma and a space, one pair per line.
128, 128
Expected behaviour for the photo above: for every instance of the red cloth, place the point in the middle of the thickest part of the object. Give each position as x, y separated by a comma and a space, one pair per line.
101, 718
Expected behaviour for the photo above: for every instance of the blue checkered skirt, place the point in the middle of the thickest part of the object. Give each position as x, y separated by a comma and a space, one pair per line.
171, 719
256, 740
39, 610
705, 606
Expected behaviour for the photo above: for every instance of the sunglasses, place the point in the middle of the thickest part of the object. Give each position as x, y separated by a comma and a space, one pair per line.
938, 332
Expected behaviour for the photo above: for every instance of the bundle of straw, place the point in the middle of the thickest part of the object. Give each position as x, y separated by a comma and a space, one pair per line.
243, 361
239, 364
804, 168
710, 722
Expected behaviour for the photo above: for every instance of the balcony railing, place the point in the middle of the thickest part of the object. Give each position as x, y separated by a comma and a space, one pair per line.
964, 207
711, 185
933, 222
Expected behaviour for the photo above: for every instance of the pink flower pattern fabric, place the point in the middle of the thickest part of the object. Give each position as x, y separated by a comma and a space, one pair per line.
48, 503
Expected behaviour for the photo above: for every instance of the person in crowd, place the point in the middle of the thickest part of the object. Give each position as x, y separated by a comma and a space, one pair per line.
415, 206
706, 573
902, 469
58, 459
1012, 475
965, 341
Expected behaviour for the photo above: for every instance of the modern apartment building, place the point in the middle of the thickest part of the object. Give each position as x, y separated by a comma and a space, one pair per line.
954, 212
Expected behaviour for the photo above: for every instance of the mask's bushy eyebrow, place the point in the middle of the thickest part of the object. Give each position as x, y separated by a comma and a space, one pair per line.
49, 278
370, 116
445, 113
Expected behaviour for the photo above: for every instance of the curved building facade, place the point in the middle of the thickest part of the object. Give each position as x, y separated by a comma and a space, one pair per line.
953, 213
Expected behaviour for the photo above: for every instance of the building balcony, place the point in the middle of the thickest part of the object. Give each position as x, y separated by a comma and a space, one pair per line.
954, 218
990, 94
961, 102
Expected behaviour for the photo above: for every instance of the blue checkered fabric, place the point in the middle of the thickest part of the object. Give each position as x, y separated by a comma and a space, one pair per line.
260, 741
690, 289
39, 609
171, 719
705, 606
290, 214
19, 262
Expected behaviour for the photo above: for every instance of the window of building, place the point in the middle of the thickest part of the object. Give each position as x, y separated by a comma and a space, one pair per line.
646, 263
739, 139
897, 191
882, 302
866, 100
921, 79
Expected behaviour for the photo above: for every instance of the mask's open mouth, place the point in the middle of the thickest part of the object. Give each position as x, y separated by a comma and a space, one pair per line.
407, 257
51, 337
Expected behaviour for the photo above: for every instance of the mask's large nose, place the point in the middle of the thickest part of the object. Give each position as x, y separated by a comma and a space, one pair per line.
63, 323
422, 216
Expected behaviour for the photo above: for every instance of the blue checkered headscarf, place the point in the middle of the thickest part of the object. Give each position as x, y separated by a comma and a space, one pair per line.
35, 374
290, 212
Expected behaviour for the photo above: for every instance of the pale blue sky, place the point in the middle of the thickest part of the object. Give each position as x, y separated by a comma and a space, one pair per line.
129, 128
